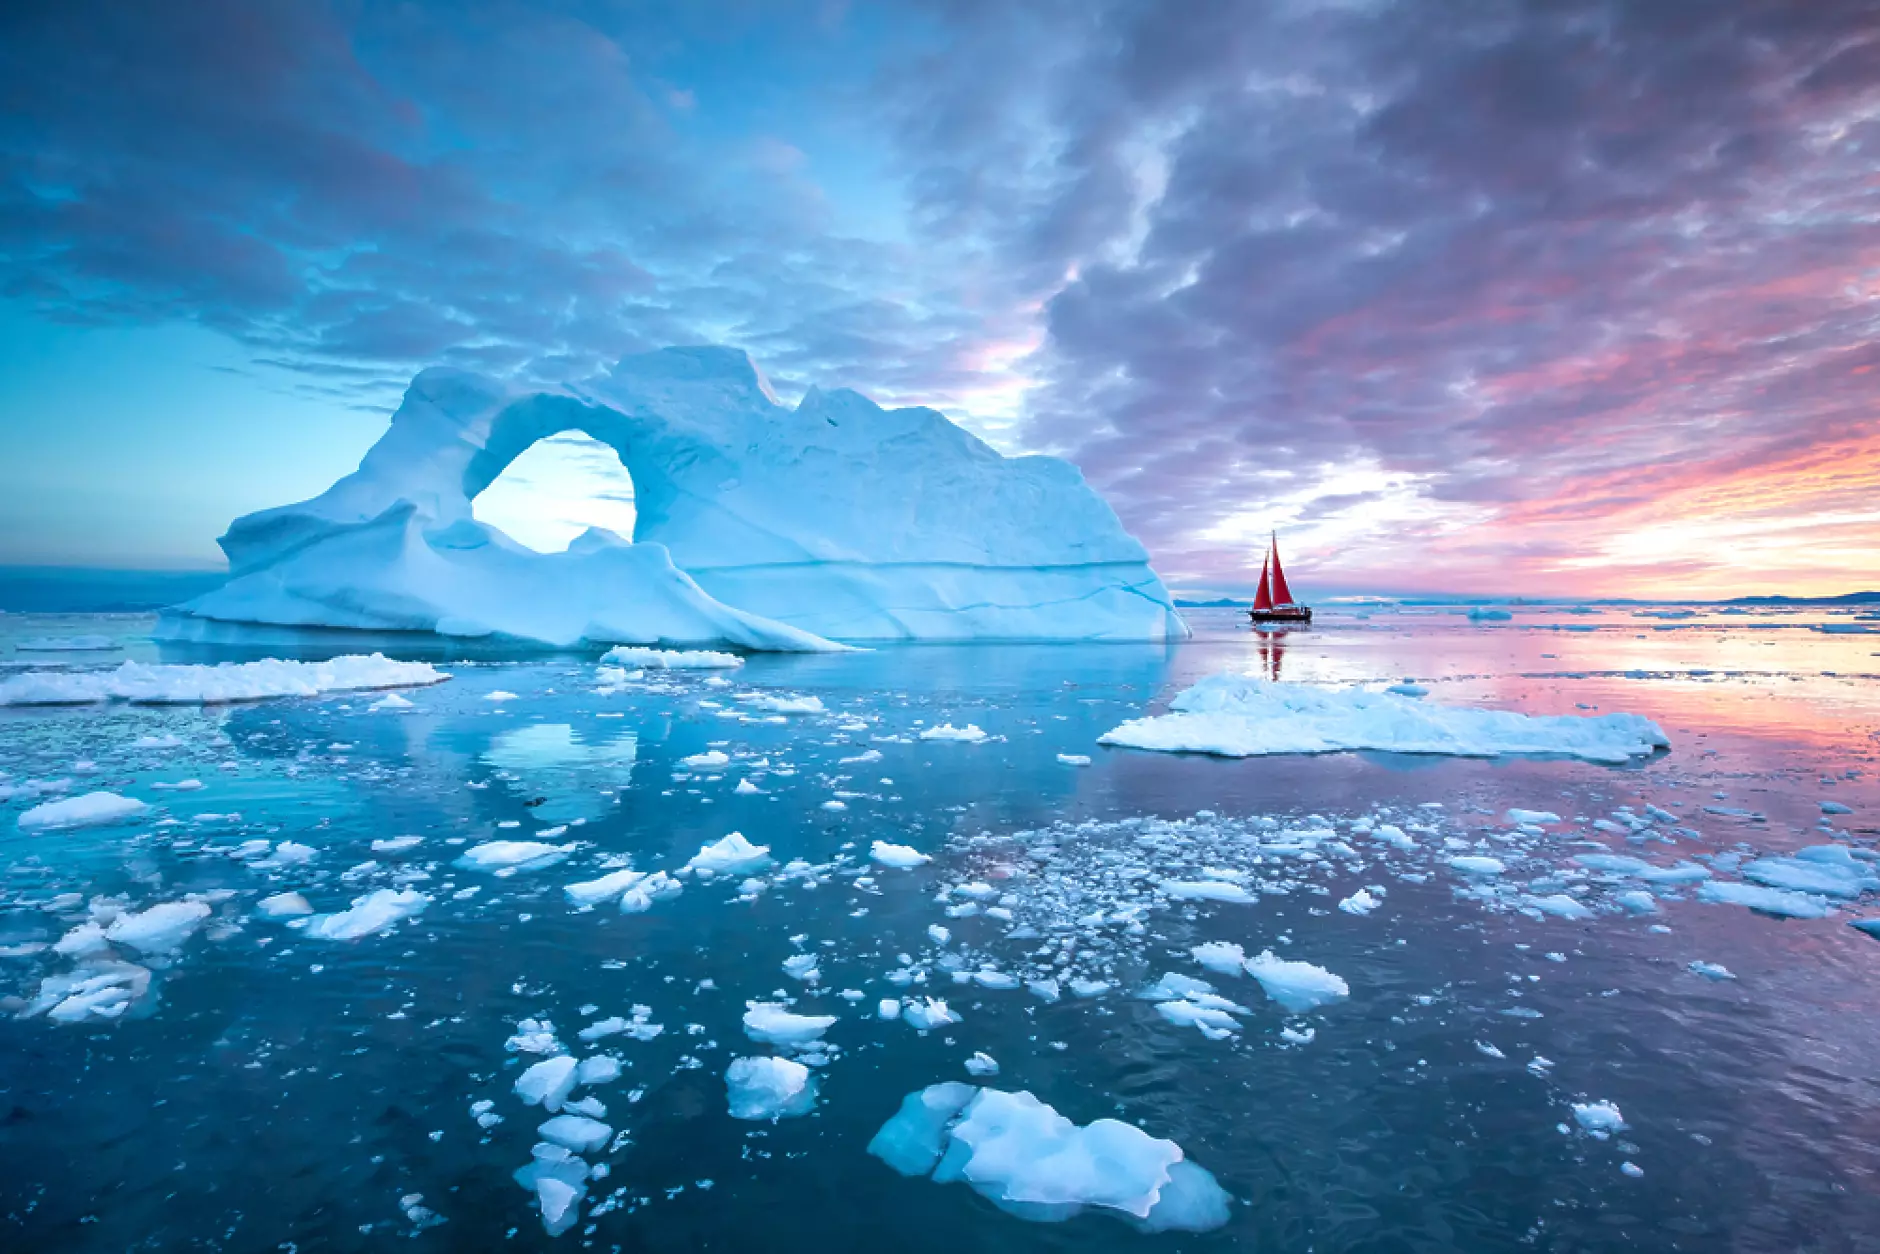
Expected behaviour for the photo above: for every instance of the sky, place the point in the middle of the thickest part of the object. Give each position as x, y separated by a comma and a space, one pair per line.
1565, 298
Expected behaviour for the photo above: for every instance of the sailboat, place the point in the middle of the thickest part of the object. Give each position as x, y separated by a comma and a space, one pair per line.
1273, 603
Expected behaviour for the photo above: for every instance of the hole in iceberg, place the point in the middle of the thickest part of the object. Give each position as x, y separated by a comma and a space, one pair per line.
556, 489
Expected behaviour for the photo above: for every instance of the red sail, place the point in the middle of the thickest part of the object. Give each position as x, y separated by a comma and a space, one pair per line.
1281, 593
1263, 599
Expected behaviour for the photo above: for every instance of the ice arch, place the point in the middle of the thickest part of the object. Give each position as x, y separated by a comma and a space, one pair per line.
758, 525
556, 489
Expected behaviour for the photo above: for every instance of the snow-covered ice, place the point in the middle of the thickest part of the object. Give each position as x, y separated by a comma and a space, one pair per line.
631, 657
505, 856
1240, 716
969, 734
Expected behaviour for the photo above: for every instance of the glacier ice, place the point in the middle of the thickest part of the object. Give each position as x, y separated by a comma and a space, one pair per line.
758, 526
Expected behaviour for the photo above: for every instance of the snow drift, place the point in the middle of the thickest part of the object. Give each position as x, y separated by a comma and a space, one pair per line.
758, 526
1238, 716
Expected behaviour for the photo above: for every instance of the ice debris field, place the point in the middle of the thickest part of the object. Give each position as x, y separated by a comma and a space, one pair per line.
589, 950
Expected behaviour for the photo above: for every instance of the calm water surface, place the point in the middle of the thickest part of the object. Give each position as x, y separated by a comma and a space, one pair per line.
278, 1092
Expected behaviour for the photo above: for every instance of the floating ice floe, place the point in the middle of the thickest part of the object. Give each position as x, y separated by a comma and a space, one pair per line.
283, 906
900, 857
374, 912
1602, 1119
96, 989
969, 734
227, 682
711, 759
1241, 716
733, 855
769, 1088
769, 1023
506, 857
1074, 759
91, 809
1298, 986
1775, 901
1029, 1160
1639, 869
927, 1013
159, 929
759, 526
783, 705
631, 657
1206, 890
1828, 870
1711, 970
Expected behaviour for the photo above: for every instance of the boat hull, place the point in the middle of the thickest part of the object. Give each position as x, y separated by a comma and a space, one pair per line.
1287, 614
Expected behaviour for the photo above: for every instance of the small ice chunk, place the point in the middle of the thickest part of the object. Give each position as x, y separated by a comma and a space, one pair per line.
969, 734
982, 1064
901, 857
510, 856
1712, 970
606, 888
160, 928
547, 1083
928, 1013
599, 1069
769, 1088
1532, 817
1298, 986
1360, 902
1206, 890
708, 760
374, 912
1074, 759
1602, 1119
733, 855
768, 1023
1477, 865
283, 906
631, 658
1774, 901
92, 809
576, 1133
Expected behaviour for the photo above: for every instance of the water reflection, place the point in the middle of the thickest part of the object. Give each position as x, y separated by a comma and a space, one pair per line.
577, 772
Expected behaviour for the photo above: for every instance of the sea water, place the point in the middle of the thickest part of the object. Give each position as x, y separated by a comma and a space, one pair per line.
1649, 1070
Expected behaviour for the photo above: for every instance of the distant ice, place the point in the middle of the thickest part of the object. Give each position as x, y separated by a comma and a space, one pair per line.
1240, 716
970, 733
66, 644
229, 681
630, 656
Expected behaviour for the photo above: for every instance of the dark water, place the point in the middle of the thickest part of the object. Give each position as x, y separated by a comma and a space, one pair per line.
280, 1092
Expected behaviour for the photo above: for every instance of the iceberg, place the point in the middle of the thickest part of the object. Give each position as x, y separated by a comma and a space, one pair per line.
1239, 716
758, 526
1034, 1163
